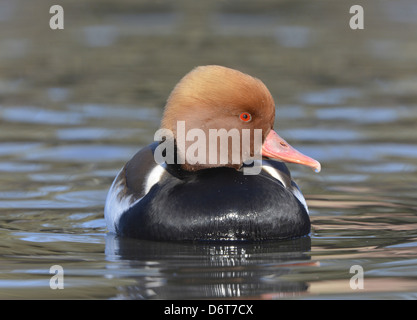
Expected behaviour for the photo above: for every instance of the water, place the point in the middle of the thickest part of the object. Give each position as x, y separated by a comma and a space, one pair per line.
75, 104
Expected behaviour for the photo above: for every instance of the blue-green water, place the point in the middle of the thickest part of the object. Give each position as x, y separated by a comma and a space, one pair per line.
76, 104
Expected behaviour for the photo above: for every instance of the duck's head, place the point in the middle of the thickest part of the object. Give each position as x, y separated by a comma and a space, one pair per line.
220, 102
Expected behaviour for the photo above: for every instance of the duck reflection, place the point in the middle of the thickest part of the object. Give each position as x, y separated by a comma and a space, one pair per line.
170, 270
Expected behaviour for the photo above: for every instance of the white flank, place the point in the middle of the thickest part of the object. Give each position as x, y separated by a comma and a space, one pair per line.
116, 205
274, 173
154, 176
297, 193
293, 188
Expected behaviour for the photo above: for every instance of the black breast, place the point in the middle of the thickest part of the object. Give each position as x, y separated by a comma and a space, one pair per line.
216, 204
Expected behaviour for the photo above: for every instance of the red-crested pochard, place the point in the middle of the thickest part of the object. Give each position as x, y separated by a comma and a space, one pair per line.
201, 198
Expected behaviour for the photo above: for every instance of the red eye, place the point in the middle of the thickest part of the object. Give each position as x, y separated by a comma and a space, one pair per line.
245, 117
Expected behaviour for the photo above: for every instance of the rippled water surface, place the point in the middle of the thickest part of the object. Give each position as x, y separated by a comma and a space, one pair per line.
75, 104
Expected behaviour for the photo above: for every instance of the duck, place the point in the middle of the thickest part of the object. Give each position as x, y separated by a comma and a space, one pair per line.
176, 189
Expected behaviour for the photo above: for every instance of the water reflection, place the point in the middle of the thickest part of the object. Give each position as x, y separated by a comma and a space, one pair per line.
207, 270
